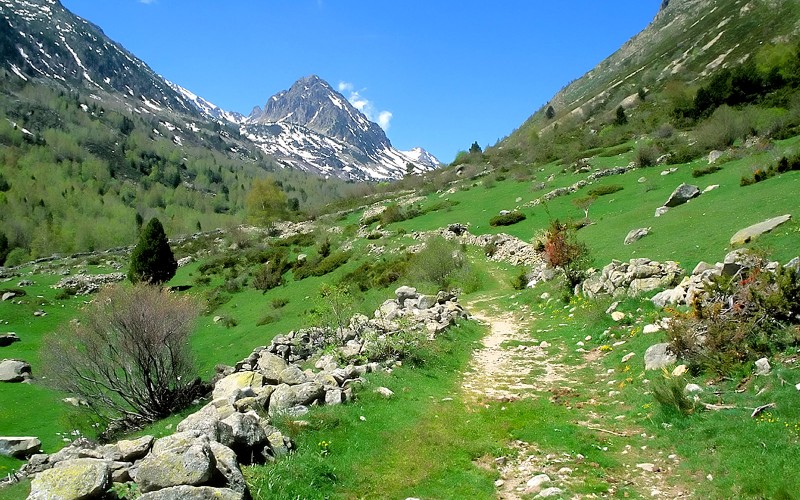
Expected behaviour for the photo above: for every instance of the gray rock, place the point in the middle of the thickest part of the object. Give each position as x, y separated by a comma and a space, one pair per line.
134, 450
232, 385
271, 366
292, 375
19, 447
426, 301
549, 492
749, 233
714, 156
692, 389
681, 195
78, 479
227, 465
184, 458
287, 396
8, 296
385, 392
658, 356
192, 493
405, 292
661, 211
14, 370
248, 436
763, 367
207, 421
7, 339
636, 235
333, 396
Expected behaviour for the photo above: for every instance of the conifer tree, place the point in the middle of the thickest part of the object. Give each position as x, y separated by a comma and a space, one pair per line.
152, 260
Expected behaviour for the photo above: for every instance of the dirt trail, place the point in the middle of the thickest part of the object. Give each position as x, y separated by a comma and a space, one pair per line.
511, 365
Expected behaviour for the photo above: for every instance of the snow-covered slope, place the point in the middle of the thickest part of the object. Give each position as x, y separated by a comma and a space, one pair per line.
421, 157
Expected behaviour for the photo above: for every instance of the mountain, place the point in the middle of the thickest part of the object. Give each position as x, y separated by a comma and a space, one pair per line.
41, 39
314, 128
421, 157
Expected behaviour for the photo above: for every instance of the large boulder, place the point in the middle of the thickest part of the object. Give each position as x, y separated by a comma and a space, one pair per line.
132, 450
248, 437
78, 479
228, 466
636, 235
682, 194
7, 339
745, 235
184, 458
14, 370
19, 447
288, 396
193, 493
271, 366
207, 421
405, 292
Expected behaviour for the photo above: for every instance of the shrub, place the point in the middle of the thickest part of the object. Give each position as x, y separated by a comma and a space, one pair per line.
266, 319
270, 275
668, 391
279, 303
605, 190
520, 281
321, 266
646, 155
700, 172
129, 357
507, 219
378, 274
437, 262
152, 260
742, 318
562, 250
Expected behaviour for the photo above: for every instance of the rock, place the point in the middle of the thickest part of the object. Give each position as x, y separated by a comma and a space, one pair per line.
549, 493
287, 396
661, 211
617, 316
334, 396
681, 195
19, 447
714, 156
292, 375
207, 421
535, 484
405, 292
385, 392
14, 370
271, 366
642, 180
131, 451
628, 357
692, 389
636, 235
8, 296
184, 458
648, 329
7, 339
232, 385
39, 313
658, 356
763, 367
661, 299
797, 387
228, 466
184, 492
81, 478
248, 436
711, 188
747, 234
647, 467
679, 371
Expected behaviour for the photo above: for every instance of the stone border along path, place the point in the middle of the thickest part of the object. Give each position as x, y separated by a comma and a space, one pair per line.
511, 365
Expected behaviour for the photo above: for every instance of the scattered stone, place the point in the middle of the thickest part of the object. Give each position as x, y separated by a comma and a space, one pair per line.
132, 450
711, 188
749, 233
7, 339
24, 283
797, 387
631, 278
14, 370
763, 367
679, 371
628, 357
535, 484
19, 447
714, 156
549, 493
661, 211
39, 313
385, 392
648, 329
85, 284
658, 356
636, 235
642, 180
405, 292
544, 296
681, 195
8, 296
692, 389
648, 467
617, 316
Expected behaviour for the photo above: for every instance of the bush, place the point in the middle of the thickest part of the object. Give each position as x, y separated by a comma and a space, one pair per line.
279, 303
321, 266
742, 318
507, 219
668, 391
266, 319
646, 155
375, 275
562, 250
700, 172
605, 190
437, 262
520, 281
270, 275
129, 357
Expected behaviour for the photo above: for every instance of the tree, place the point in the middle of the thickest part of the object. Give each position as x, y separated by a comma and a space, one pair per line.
265, 202
584, 204
152, 260
550, 113
621, 118
475, 148
128, 358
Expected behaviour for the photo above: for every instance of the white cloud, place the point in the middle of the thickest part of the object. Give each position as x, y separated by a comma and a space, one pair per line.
361, 103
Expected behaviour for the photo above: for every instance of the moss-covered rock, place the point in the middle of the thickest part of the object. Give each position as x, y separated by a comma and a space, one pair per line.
78, 479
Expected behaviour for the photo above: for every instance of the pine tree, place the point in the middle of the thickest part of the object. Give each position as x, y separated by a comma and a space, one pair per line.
152, 260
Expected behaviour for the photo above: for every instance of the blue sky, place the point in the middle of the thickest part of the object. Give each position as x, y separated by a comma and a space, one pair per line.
440, 74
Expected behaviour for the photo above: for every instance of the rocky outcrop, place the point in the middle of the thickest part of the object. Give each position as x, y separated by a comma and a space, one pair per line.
636, 235
7, 339
19, 447
631, 278
504, 247
85, 284
745, 235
